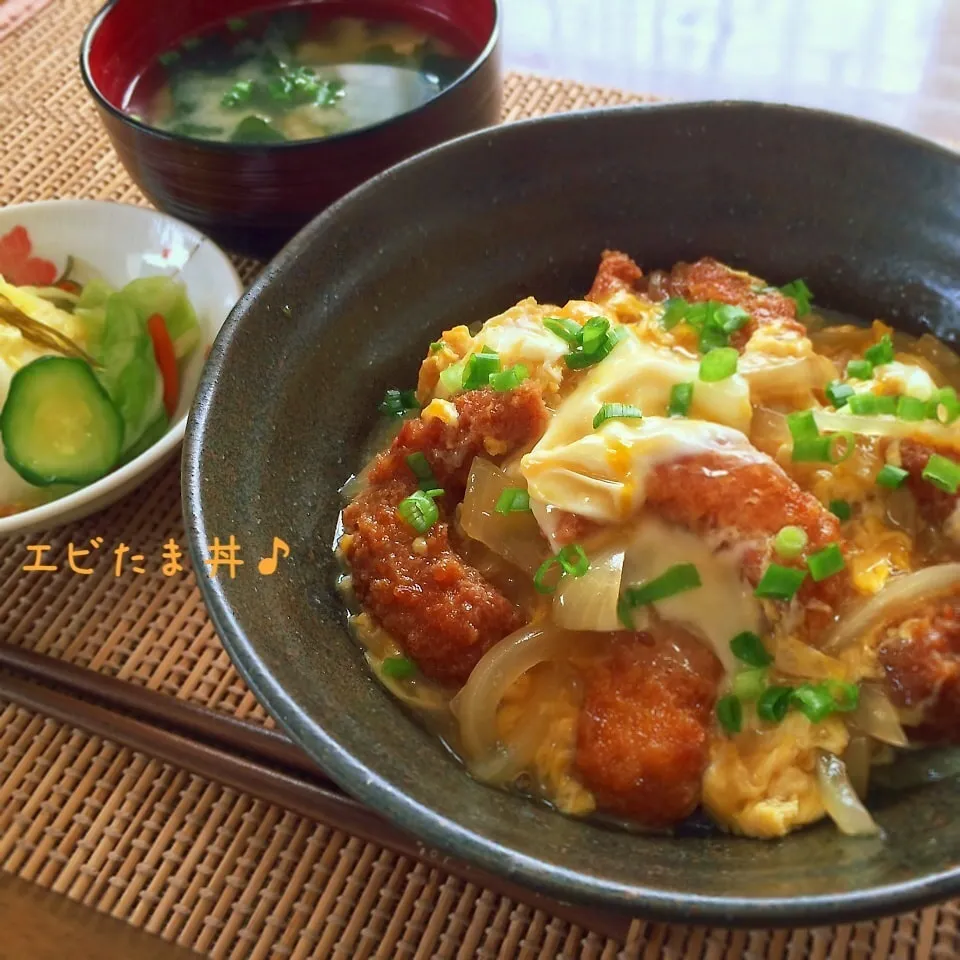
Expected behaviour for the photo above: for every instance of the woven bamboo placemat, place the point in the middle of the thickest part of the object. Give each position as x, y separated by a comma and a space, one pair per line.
199, 864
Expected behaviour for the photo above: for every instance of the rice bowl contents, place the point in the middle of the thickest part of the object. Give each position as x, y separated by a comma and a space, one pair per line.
685, 544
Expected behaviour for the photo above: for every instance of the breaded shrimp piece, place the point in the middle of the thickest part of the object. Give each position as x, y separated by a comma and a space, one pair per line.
616, 272
644, 729
921, 657
441, 611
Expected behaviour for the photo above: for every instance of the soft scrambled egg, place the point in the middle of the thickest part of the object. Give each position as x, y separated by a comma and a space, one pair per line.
763, 782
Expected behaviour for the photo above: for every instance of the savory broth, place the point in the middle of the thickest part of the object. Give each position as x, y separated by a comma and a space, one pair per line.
294, 75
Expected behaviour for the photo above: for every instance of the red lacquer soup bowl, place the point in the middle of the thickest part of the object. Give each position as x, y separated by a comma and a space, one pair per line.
252, 198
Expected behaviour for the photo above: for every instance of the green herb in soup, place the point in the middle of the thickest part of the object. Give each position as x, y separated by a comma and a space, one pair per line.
293, 75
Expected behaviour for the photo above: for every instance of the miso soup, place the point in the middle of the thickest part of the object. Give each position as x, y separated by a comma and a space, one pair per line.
294, 74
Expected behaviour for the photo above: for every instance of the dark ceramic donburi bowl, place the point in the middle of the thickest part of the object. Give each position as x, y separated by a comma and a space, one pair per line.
869, 216
253, 198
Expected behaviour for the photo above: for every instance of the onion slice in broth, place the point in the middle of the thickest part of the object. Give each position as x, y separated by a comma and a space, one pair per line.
590, 602
896, 597
840, 799
877, 717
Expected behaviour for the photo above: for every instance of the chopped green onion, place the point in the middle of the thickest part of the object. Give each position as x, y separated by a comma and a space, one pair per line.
860, 369
420, 466
943, 473
676, 309
509, 379
813, 701
676, 579
779, 583
719, 364
730, 713
419, 511
681, 396
730, 317
565, 329
887, 405
398, 668
789, 542
480, 367
841, 510
581, 358
240, 93
748, 685
574, 560
863, 404
945, 407
593, 334
773, 704
436, 346
881, 352
910, 408
834, 448
513, 500
846, 696
826, 562
749, 648
802, 425
838, 393
800, 293
397, 402
842, 445
616, 411
451, 378
891, 476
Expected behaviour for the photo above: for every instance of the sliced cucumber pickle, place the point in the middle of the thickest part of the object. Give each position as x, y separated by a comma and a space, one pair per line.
58, 423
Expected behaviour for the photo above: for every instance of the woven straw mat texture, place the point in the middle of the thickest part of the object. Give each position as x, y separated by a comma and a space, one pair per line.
207, 867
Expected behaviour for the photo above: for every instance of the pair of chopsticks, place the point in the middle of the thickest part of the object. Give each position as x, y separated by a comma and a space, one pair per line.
241, 755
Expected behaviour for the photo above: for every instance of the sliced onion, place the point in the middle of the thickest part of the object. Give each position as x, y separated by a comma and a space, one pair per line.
475, 706
769, 431
886, 426
877, 717
856, 759
590, 602
775, 377
897, 595
514, 536
840, 799
797, 659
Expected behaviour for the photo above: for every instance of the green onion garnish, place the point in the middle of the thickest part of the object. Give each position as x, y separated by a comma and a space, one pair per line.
597, 339
860, 369
681, 396
594, 332
616, 411
513, 500
811, 450
841, 510
572, 560
719, 364
240, 93
730, 713
419, 511
891, 476
436, 346
779, 583
676, 579
676, 309
790, 542
565, 329
713, 321
944, 407
838, 393
813, 701
846, 696
944, 474
510, 378
863, 404
887, 405
480, 368
802, 425
749, 648
826, 562
420, 466
881, 352
748, 685
397, 402
910, 408
800, 293
398, 668
773, 704
451, 378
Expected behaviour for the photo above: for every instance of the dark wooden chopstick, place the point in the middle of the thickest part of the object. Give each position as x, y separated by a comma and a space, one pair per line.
240, 755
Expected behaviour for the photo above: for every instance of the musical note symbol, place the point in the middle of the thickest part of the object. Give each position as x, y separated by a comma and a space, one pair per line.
268, 565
